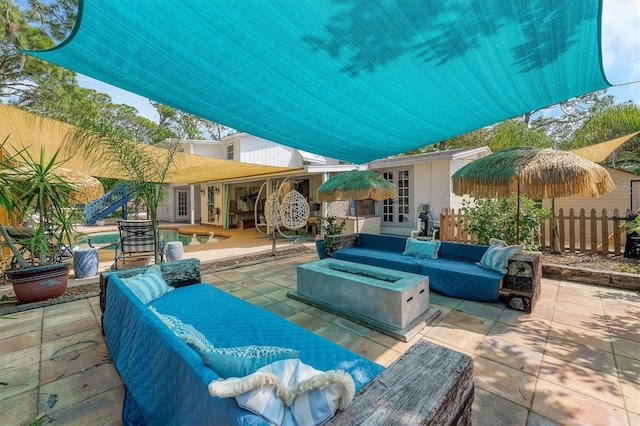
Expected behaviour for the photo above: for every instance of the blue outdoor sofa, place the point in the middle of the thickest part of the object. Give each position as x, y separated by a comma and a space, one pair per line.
166, 382
454, 273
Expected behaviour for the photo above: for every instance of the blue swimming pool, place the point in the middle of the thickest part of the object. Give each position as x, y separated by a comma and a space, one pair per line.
168, 234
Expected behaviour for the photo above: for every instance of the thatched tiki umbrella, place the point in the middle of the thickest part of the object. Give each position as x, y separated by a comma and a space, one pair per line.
87, 188
533, 172
356, 185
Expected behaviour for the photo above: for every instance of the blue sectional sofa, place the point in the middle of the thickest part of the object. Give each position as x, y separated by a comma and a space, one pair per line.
454, 273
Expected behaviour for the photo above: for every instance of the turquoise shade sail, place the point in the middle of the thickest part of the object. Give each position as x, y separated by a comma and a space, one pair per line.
354, 80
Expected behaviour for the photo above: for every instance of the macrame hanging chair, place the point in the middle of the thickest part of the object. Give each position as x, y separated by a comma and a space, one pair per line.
294, 210
271, 211
285, 208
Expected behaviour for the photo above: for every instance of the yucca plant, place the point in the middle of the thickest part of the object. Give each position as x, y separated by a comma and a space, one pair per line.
32, 184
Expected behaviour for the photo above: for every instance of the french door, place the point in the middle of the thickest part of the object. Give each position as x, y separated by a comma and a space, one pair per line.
182, 204
397, 210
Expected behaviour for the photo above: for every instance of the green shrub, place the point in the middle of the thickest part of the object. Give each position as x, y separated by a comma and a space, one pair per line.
496, 218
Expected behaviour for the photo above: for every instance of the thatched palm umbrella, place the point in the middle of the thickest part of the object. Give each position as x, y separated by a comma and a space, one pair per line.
87, 188
356, 185
533, 172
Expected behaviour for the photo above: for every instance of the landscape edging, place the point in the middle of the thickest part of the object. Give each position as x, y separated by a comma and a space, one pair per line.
621, 280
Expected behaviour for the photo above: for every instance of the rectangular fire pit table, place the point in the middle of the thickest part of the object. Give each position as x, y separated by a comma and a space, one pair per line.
393, 302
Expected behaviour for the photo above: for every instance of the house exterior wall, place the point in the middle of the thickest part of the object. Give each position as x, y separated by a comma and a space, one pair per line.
167, 207
619, 198
260, 151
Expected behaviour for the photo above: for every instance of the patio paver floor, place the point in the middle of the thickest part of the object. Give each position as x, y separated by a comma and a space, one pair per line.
575, 360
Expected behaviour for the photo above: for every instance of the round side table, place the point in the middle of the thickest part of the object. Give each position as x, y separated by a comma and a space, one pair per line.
174, 251
85, 262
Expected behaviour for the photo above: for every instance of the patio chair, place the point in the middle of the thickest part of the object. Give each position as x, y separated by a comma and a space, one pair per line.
21, 236
136, 242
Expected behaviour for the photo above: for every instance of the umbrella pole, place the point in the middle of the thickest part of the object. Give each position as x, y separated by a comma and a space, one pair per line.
518, 214
355, 210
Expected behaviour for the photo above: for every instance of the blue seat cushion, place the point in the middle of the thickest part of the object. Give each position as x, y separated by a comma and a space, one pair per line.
462, 279
381, 258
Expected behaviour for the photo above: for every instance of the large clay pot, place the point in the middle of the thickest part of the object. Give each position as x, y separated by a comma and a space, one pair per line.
39, 283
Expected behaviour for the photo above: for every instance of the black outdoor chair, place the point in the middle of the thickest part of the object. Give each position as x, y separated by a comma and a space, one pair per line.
136, 242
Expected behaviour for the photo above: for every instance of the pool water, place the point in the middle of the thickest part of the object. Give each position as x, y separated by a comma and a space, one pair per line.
169, 235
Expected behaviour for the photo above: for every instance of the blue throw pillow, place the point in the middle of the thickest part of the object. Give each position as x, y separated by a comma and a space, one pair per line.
422, 248
244, 360
185, 332
498, 254
148, 286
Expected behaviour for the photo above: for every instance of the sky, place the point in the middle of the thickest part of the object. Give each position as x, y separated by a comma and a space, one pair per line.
620, 51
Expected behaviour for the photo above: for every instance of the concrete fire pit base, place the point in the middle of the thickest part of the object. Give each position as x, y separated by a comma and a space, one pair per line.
392, 302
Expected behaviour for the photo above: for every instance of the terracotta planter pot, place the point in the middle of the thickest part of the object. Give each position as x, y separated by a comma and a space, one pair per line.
39, 283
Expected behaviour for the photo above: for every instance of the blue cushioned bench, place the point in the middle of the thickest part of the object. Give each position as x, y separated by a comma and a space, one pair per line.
454, 273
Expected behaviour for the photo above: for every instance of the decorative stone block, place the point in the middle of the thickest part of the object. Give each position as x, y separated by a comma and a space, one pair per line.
522, 282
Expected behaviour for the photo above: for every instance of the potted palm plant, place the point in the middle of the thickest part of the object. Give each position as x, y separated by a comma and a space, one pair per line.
32, 185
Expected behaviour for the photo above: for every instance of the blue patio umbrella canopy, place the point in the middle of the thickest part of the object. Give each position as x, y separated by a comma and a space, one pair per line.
354, 80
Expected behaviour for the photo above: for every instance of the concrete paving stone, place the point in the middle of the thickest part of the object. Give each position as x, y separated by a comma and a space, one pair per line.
591, 338
594, 322
261, 301
631, 394
253, 282
60, 309
569, 407
299, 306
103, 409
590, 301
316, 312
305, 320
628, 368
19, 409
68, 328
280, 309
392, 342
489, 311
517, 357
536, 419
446, 345
63, 357
244, 293
469, 321
453, 336
21, 322
627, 348
280, 294
573, 308
373, 351
229, 287
531, 334
350, 326
490, 410
442, 300
336, 334
587, 381
20, 342
624, 325
506, 382
586, 291
581, 354
264, 287
20, 372
77, 387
